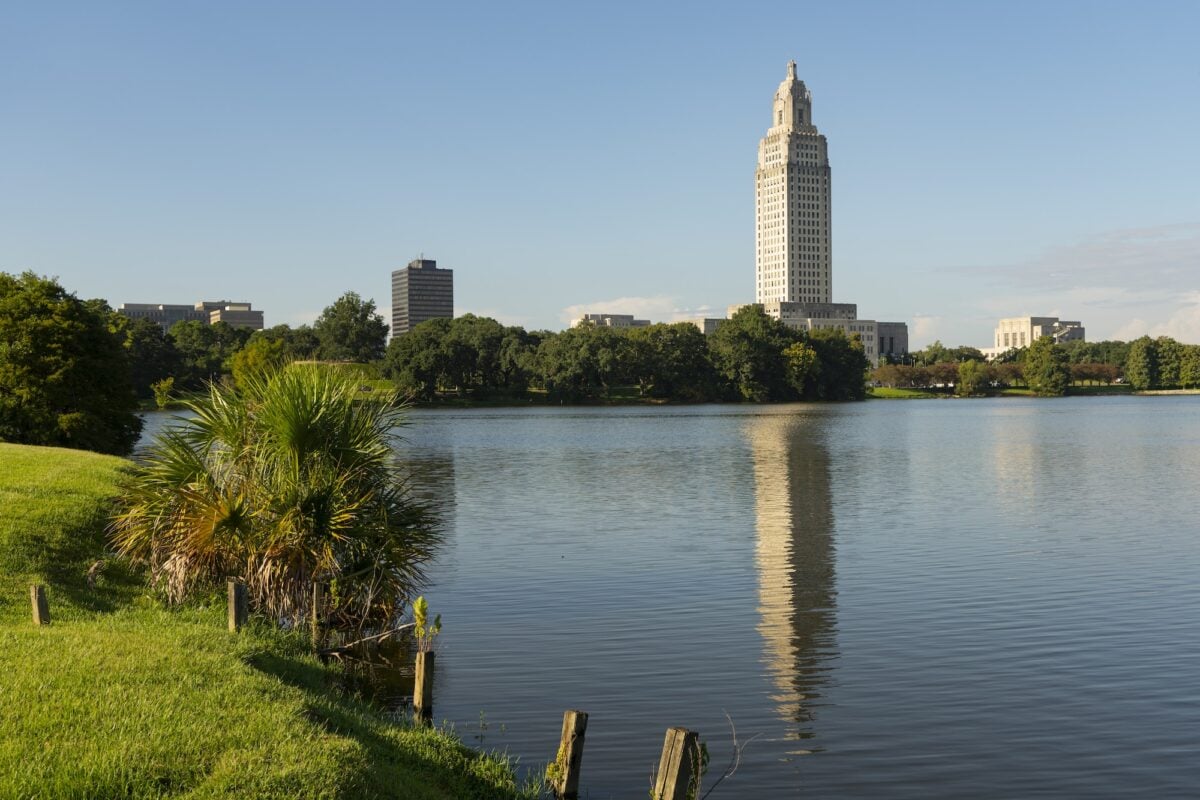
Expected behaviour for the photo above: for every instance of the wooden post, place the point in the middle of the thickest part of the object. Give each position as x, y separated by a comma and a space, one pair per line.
679, 765
318, 608
238, 607
41, 606
423, 687
570, 755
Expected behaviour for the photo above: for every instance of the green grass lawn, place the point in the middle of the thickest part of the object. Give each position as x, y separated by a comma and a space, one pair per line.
886, 393
120, 697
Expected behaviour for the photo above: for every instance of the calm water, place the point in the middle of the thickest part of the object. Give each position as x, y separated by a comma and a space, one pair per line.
986, 598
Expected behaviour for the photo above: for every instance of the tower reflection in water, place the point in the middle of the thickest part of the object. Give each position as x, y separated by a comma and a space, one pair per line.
794, 558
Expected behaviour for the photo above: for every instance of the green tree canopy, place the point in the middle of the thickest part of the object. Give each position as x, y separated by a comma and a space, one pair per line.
843, 366
258, 357
747, 352
672, 360
471, 355
205, 351
1046, 369
152, 353
584, 362
350, 330
803, 367
299, 343
974, 378
1141, 365
414, 360
1189, 367
756, 358
1106, 352
1170, 361
932, 353
64, 372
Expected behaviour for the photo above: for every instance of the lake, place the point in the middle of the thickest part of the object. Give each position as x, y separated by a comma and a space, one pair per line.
983, 598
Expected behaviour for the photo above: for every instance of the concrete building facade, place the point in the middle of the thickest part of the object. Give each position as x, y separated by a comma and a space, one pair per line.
708, 325
793, 259
610, 321
892, 338
1017, 332
793, 252
421, 291
239, 315
165, 314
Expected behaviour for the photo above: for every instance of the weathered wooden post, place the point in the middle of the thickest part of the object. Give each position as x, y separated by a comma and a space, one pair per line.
238, 606
423, 687
679, 765
41, 606
570, 755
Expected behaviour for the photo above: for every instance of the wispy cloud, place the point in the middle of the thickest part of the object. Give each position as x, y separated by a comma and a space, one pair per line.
1120, 284
925, 328
1183, 324
1127, 257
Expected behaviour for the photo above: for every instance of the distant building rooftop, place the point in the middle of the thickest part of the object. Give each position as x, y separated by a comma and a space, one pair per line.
237, 314
610, 321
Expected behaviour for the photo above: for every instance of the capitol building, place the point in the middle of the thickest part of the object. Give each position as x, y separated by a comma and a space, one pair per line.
793, 246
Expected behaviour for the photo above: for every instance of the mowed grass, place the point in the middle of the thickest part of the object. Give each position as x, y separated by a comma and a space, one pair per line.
887, 393
121, 697
53, 508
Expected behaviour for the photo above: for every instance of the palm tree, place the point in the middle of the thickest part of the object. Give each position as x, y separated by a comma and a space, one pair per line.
289, 481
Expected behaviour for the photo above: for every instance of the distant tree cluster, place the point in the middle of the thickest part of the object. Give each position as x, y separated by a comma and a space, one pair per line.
72, 371
195, 354
1049, 368
751, 357
967, 378
1162, 363
65, 376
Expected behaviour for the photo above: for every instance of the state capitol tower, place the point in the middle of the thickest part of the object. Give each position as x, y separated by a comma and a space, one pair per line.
793, 254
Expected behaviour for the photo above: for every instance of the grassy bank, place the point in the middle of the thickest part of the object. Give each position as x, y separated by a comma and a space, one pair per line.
888, 393
1076, 390
123, 698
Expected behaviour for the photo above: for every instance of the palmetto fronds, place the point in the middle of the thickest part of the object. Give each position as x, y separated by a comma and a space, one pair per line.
290, 481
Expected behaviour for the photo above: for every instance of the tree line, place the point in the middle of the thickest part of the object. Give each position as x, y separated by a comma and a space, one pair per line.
751, 357
192, 354
1049, 368
73, 372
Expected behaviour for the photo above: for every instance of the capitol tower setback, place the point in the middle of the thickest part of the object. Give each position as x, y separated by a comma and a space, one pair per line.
793, 259
793, 254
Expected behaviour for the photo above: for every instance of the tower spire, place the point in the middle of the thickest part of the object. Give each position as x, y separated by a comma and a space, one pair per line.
791, 70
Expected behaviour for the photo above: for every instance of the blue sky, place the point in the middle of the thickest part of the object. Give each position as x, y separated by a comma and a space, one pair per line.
989, 159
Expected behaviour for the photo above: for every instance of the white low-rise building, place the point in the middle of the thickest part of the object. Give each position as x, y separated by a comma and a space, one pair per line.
708, 325
610, 321
1013, 333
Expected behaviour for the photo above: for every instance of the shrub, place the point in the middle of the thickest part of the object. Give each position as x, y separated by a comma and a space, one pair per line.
288, 482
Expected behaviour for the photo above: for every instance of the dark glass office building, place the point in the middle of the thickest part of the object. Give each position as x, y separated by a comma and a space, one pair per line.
421, 292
